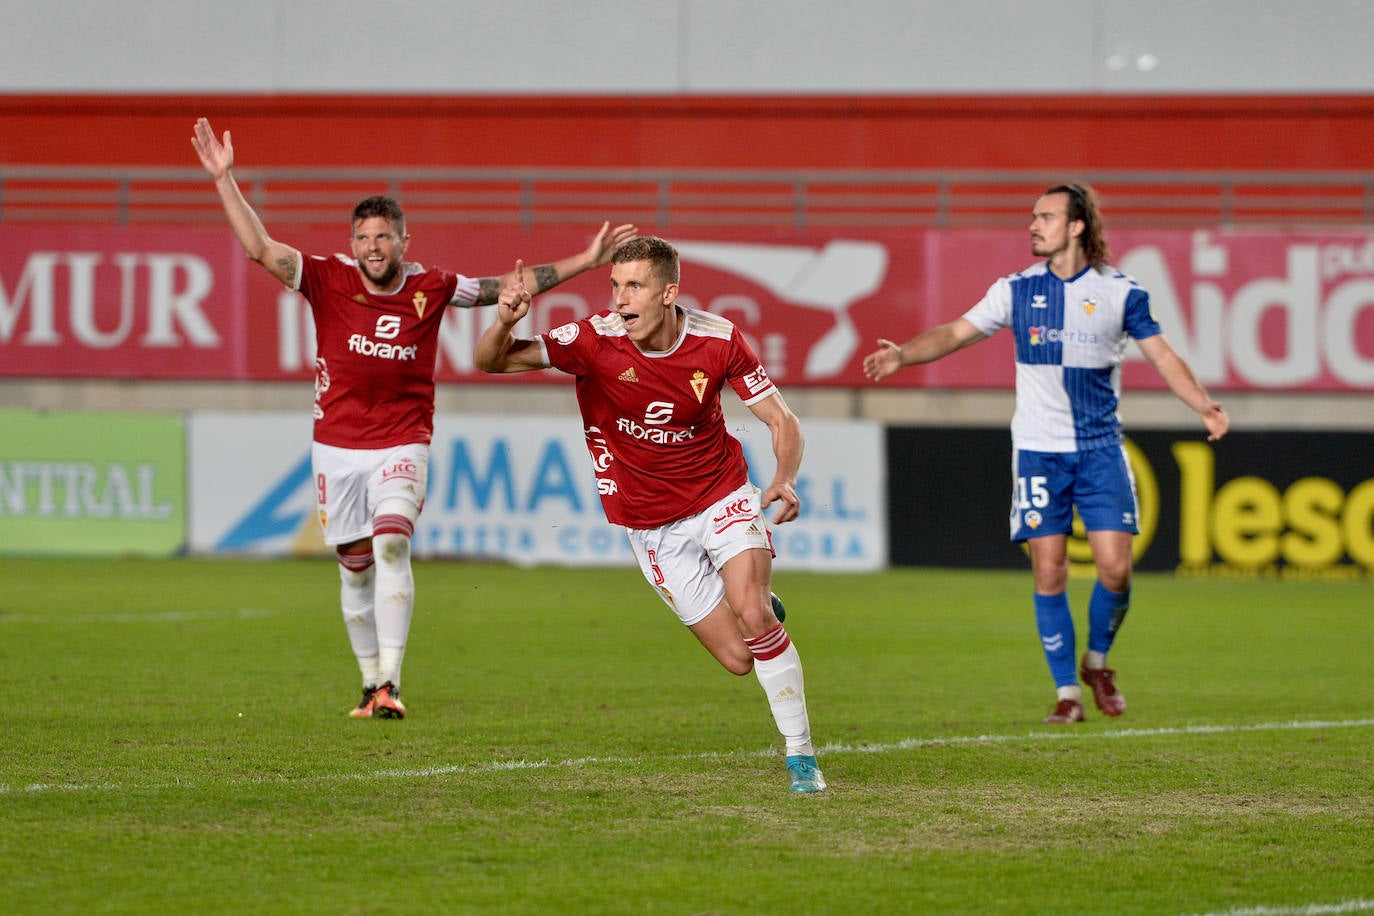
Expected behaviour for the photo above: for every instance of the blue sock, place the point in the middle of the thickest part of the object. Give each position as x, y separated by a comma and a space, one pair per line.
1106, 609
1055, 623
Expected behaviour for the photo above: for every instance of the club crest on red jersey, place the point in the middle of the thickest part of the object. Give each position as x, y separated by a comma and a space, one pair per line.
421, 302
699, 381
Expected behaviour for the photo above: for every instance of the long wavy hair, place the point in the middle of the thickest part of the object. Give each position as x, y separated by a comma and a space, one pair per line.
1083, 206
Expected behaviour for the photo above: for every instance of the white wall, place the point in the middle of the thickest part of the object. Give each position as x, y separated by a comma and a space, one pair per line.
650, 47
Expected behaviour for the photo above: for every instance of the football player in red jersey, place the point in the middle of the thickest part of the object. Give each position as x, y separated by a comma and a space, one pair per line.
650, 373
377, 320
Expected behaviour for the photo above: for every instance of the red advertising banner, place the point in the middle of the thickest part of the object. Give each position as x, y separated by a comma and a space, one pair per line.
121, 302
1248, 310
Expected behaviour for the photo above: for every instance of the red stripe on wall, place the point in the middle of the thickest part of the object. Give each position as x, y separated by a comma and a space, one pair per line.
1033, 132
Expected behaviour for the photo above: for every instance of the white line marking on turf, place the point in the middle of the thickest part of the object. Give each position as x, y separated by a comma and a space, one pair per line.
1073, 735
905, 744
1311, 909
122, 617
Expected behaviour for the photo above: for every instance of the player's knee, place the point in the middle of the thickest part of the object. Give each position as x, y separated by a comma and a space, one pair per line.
391, 548
1116, 579
356, 569
1115, 573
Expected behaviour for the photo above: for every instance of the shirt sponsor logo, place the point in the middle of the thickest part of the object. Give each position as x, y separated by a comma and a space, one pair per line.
601, 460
635, 430
757, 380
321, 384
366, 346
658, 413
388, 327
600, 450
1039, 334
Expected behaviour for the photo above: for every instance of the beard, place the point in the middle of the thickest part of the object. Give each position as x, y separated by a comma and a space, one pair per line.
383, 275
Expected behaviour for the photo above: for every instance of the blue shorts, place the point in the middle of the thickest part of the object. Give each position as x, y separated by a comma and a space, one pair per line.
1048, 486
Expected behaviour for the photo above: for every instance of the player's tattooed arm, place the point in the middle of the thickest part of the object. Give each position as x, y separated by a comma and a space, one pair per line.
488, 289
545, 277
538, 279
286, 270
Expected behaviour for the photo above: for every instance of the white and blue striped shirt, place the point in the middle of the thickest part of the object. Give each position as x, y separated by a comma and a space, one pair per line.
1070, 339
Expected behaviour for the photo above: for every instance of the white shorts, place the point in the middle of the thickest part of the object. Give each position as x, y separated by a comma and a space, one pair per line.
350, 482
682, 560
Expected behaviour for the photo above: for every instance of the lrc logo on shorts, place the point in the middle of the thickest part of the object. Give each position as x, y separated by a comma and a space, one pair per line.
741, 510
402, 469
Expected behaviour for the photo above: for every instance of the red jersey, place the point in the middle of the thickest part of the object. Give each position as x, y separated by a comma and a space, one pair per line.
653, 421
375, 355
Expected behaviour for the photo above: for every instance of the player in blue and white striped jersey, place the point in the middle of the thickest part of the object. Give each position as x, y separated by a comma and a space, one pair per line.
1071, 315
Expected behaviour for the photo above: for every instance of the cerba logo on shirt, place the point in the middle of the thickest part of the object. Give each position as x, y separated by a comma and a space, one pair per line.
1040, 334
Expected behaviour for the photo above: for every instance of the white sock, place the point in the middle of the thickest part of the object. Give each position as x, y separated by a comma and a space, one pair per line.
1095, 660
356, 577
784, 685
1072, 692
395, 591
391, 665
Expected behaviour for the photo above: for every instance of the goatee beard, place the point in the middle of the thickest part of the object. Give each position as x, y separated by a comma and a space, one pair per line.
388, 276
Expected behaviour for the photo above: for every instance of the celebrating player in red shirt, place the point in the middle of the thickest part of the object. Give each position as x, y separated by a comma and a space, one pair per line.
377, 320
649, 377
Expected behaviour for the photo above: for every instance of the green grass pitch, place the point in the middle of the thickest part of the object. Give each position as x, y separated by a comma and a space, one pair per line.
174, 740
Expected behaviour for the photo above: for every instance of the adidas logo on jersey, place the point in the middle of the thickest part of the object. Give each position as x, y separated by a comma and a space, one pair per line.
629, 375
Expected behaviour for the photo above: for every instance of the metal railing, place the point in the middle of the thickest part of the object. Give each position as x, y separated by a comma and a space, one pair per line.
666, 197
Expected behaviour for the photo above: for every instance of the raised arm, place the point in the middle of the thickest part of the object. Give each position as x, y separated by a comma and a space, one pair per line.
925, 347
1184, 384
544, 277
787, 450
498, 349
218, 158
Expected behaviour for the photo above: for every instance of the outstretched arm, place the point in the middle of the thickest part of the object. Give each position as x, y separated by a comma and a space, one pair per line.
498, 349
544, 277
787, 450
218, 159
1184, 384
925, 347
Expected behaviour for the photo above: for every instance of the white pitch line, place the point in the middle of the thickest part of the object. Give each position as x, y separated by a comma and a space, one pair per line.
1075, 735
1311, 909
497, 766
124, 617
